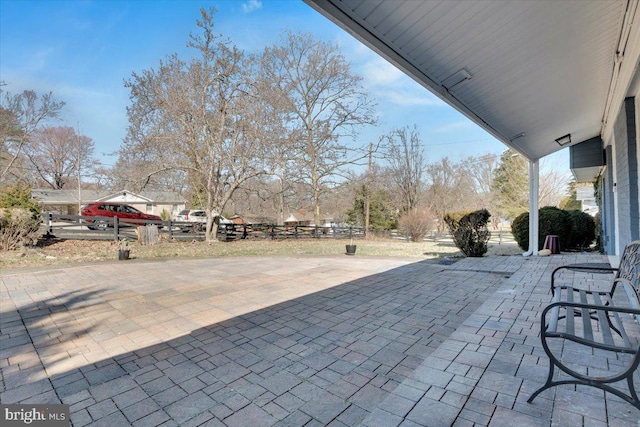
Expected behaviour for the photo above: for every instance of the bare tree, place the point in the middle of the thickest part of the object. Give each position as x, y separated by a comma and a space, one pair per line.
58, 154
20, 116
323, 103
482, 170
202, 117
403, 150
451, 188
134, 174
553, 184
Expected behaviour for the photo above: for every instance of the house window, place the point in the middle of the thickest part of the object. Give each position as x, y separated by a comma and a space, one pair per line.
149, 208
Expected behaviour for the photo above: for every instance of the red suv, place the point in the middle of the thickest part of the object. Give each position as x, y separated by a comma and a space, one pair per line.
126, 214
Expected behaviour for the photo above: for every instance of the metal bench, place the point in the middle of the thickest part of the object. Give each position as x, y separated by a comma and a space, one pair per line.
629, 268
593, 318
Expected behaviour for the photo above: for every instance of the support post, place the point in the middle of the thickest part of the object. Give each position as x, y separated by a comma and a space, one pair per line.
534, 189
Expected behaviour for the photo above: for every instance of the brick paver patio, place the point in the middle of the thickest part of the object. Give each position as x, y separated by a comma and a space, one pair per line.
294, 341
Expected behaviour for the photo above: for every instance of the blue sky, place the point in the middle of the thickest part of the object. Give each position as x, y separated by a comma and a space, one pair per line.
82, 51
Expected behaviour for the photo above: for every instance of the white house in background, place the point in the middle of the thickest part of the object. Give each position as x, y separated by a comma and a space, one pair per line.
586, 195
305, 218
69, 201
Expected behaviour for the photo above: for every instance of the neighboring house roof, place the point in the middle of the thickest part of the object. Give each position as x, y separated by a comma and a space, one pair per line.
291, 218
303, 216
251, 219
125, 197
300, 216
59, 197
53, 197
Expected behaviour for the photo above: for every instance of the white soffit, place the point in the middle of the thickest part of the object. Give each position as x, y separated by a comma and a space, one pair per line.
538, 68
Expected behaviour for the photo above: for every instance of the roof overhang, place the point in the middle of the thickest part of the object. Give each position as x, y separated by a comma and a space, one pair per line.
529, 73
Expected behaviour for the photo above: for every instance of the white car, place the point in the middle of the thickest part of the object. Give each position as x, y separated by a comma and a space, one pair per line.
197, 220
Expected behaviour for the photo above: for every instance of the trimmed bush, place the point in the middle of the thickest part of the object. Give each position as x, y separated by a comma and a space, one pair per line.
520, 230
583, 230
470, 232
416, 224
599, 234
551, 220
555, 221
19, 218
18, 228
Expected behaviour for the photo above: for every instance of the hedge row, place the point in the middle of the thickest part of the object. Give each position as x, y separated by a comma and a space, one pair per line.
575, 229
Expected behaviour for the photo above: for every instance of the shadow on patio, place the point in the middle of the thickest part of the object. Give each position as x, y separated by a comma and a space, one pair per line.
419, 344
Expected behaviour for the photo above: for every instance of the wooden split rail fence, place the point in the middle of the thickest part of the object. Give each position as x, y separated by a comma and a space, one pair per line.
104, 228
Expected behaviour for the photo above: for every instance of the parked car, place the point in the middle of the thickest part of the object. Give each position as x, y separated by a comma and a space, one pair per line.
196, 220
125, 213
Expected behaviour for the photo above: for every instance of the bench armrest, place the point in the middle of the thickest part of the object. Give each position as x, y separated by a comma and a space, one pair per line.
606, 308
608, 317
581, 268
633, 293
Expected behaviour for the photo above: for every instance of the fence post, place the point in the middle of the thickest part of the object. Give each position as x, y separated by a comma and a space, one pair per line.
115, 228
49, 223
170, 231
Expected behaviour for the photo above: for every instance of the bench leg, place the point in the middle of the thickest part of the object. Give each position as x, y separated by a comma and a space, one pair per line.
632, 391
580, 379
631, 398
548, 384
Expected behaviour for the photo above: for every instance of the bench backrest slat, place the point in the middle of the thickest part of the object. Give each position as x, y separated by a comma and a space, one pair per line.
623, 332
570, 322
586, 316
603, 321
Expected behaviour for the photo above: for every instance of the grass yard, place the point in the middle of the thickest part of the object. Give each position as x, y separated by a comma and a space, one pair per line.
57, 252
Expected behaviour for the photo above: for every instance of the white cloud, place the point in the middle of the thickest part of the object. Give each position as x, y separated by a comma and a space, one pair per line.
385, 81
408, 99
251, 5
389, 84
454, 126
377, 71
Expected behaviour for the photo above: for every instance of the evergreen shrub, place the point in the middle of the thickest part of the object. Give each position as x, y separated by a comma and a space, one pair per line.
520, 230
551, 220
583, 230
470, 232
